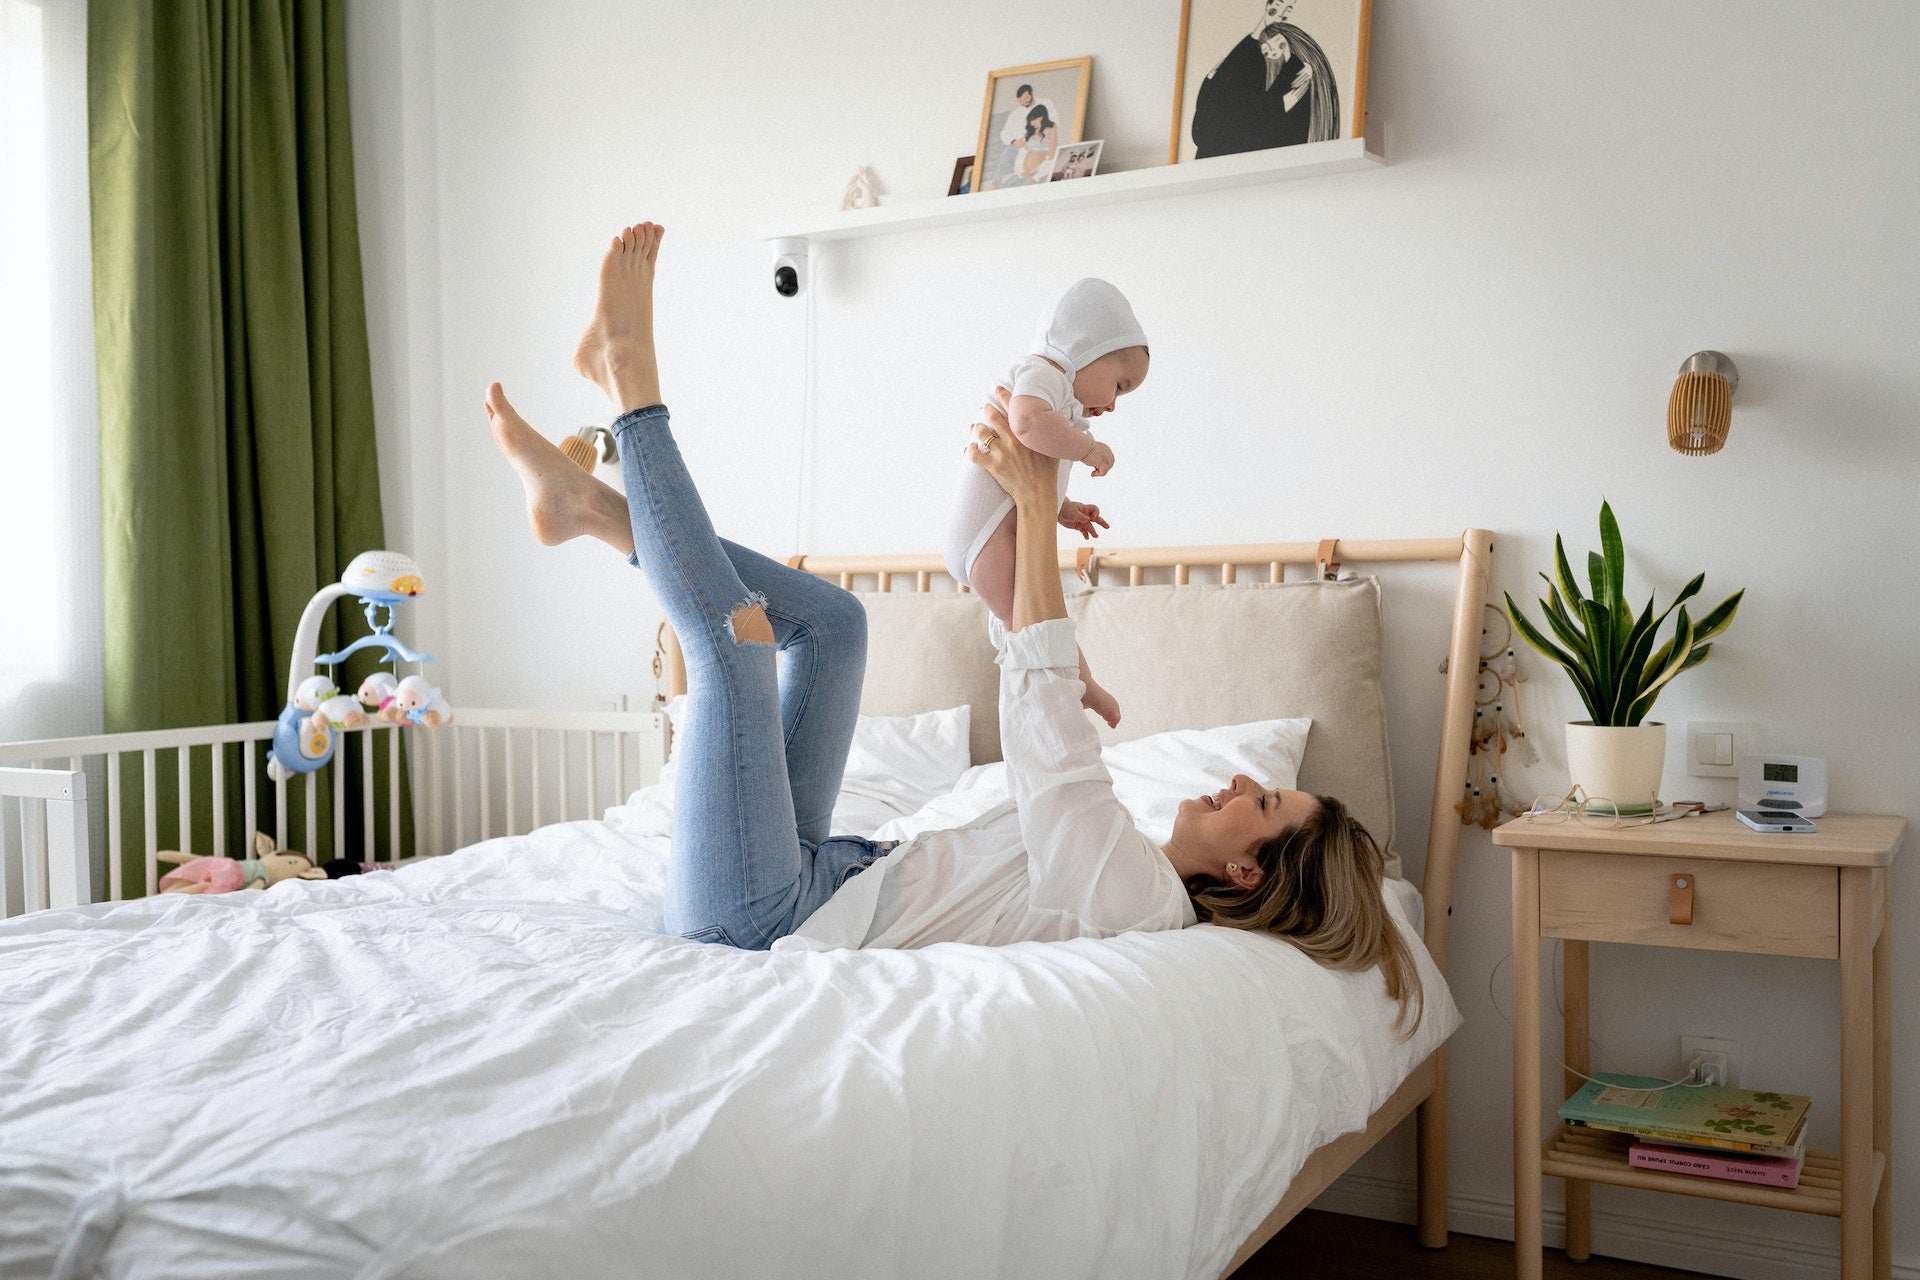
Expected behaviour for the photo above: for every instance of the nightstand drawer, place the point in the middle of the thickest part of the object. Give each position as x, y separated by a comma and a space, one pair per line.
1763, 908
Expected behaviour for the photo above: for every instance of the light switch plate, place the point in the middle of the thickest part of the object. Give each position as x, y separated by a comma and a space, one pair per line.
1701, 736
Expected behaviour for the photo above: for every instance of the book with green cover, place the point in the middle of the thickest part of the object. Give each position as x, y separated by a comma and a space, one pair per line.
1725, 1119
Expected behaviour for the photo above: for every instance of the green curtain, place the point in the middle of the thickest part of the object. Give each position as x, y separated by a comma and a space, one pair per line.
238, 471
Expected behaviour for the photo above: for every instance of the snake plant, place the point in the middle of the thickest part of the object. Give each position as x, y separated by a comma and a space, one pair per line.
1606, 648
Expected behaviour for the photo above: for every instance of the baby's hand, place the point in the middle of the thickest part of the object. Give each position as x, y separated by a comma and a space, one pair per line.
1081, 517
1099, 458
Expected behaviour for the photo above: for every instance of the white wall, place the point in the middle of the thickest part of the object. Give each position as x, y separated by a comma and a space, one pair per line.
1484, 332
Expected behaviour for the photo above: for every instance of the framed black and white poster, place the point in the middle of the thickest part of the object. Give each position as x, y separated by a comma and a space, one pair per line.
1254, 74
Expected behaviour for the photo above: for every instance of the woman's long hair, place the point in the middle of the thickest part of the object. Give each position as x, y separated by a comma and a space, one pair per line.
1323, 95
1321, 891
1045, 120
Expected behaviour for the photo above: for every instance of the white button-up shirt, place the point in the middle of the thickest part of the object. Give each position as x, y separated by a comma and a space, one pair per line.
1060, 859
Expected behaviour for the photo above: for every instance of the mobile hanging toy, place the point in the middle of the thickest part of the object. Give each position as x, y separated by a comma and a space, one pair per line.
304, 738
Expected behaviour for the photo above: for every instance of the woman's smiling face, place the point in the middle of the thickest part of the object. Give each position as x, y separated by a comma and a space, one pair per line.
1232, 823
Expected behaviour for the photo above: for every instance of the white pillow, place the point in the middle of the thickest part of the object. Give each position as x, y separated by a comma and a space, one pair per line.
1151, 775
897, 764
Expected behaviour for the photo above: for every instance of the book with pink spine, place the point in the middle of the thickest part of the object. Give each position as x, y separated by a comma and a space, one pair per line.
1767, 1171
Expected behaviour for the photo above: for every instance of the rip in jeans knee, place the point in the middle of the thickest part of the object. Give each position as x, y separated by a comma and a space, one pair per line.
748, 624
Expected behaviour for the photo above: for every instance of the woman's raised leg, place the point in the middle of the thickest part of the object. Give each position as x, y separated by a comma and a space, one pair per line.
819, 629
739, 871
747, 852
821, 632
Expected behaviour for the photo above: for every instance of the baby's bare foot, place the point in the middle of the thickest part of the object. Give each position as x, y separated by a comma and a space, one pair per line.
616, 351
563, 502
1102, 704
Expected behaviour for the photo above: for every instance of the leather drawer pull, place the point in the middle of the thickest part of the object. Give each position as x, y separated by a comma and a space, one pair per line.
1680, 900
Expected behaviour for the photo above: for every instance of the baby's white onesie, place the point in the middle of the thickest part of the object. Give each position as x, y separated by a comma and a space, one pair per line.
982, 503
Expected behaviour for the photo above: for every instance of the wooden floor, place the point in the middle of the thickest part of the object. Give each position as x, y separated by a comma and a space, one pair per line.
1332, 1246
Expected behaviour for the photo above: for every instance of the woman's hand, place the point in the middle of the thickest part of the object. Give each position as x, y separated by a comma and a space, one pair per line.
1031, 479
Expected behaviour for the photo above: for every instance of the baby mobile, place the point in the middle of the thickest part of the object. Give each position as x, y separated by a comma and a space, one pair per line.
303, 740
1496, 729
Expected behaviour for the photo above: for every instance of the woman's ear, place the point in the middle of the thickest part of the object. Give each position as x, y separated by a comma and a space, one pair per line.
1246, 875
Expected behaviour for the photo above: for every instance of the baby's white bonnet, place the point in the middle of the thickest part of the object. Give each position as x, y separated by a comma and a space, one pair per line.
1091, 319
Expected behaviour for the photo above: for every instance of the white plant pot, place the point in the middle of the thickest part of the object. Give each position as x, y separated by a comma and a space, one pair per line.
1619, 764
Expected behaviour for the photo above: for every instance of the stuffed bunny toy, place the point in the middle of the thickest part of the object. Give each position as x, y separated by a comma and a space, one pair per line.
269, 866
421, 703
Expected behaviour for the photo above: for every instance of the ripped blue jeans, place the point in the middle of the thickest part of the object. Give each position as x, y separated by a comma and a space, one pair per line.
763, 744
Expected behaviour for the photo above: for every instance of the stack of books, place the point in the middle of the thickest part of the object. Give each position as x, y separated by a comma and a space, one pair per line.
1736, 1134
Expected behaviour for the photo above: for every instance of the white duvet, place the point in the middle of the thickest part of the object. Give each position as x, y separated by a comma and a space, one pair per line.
492, 1065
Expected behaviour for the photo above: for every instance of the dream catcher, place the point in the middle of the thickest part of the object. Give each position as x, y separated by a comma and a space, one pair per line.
1496, 729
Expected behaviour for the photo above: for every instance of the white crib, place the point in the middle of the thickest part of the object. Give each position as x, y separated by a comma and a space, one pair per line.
71, 833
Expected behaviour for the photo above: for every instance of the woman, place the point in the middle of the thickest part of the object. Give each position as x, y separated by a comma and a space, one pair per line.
764, 743
1042, 140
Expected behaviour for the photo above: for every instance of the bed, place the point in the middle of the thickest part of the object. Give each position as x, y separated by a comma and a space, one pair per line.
491, 1063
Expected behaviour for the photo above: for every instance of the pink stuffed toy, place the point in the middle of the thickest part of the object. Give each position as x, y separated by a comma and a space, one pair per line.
204, 875
268, 867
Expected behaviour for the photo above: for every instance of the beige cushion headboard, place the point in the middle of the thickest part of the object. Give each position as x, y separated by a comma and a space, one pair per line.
928, 652
1187, 657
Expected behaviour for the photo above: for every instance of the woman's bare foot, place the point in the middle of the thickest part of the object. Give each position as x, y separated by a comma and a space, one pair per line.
1103, 704
563, 502
616, 351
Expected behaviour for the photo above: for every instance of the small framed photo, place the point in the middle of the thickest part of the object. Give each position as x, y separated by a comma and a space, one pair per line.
1029, 114
1077, 160
962, 181
1254, 74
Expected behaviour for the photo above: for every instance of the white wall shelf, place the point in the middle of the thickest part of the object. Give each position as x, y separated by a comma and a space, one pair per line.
1282, 164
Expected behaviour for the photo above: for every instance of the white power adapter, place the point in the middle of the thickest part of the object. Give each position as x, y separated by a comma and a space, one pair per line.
1709, 1059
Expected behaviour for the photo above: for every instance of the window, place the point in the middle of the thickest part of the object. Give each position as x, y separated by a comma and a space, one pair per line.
26, 356
49, 432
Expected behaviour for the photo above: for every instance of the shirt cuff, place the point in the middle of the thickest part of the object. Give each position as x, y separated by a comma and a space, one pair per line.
1042, 644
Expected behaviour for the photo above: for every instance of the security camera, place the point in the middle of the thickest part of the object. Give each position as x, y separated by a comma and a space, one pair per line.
789, 267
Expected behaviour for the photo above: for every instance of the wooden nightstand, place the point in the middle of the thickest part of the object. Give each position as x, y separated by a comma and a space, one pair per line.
1585, 885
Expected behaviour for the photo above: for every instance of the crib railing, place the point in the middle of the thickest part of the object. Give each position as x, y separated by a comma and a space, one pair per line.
51, 869
72, 807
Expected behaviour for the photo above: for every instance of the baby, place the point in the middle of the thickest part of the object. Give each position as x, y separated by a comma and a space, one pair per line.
1090, 351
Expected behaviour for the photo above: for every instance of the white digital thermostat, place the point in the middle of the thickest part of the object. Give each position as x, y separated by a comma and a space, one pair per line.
1797, 784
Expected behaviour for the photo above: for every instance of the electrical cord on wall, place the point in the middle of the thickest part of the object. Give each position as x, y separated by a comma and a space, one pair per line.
1691, 1080
809, 396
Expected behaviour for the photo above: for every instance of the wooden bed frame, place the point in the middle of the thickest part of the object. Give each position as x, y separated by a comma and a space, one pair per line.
1425, 1090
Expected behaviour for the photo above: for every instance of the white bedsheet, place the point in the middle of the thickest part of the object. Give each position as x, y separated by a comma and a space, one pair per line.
490, 1064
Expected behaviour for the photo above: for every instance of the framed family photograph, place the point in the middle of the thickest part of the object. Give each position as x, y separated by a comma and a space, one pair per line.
962, 180
1029, 114
1077, 160
1254, 74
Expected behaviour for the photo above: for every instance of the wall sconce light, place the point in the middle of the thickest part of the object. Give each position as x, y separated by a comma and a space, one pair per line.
1701, 408
590, 446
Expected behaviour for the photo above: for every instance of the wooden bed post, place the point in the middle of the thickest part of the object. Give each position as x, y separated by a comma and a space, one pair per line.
1443, 842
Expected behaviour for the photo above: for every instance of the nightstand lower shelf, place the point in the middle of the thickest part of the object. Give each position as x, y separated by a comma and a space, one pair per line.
1594, 1156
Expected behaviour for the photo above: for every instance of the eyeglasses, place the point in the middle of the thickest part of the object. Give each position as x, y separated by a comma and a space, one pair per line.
1589, 811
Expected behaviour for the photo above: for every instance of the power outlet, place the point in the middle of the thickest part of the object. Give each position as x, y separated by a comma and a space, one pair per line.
1715, 1056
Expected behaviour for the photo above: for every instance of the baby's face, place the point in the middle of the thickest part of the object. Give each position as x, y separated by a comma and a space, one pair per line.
1107, 379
